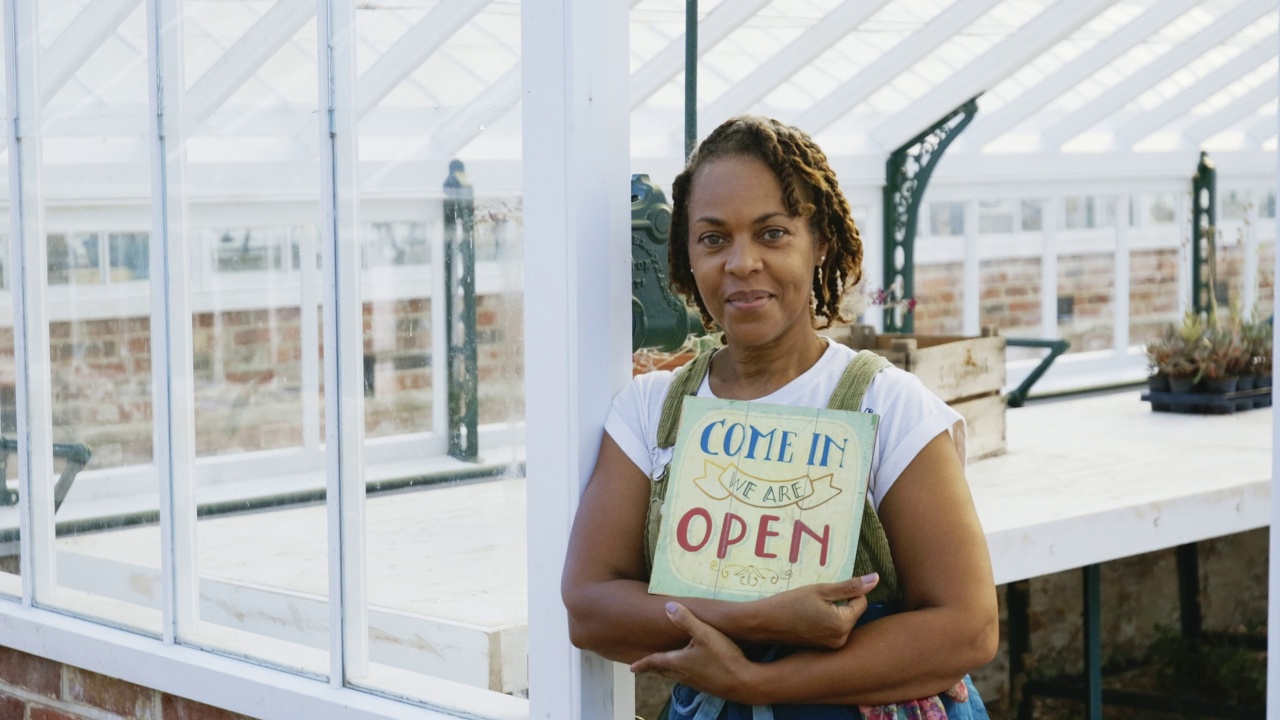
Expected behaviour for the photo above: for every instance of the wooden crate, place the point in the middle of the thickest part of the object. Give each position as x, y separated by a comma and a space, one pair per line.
968, 373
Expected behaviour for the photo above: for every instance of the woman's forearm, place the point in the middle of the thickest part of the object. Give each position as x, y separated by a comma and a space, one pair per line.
621, 621
898, 658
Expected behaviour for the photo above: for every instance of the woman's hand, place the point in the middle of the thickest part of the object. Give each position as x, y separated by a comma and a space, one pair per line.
818, 616
710, 663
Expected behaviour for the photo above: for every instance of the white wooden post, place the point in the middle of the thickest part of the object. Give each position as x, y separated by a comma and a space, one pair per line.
577, 324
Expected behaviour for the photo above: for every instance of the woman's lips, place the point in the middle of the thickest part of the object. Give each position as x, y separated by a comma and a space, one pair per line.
748, 299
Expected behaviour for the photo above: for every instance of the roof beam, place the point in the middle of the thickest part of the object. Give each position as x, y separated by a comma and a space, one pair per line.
1199, 91
984, 72
774, 71
1121, 94
82, 37
1026, 104
893, 63
716, 26
412, 49
246, 55
1263, 129
1235, 111
467, 122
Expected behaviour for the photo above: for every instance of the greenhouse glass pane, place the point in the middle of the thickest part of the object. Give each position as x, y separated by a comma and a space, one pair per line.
250, 215
440, 220
95, 182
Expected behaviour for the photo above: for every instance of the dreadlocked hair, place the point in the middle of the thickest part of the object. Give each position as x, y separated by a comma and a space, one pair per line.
809, 190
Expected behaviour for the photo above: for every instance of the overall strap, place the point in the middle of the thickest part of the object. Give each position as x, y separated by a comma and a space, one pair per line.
873, 545
686, 382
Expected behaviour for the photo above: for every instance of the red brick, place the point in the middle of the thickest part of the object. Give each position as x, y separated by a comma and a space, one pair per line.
176, 708
12, 708
110, 694
30, 672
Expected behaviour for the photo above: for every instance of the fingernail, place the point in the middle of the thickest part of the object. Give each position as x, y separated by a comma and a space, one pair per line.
671, 608
868, 579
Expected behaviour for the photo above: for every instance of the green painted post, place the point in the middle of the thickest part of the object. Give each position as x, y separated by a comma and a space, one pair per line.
907, 174
690, 76
1093, 641
462, 368
1204, 221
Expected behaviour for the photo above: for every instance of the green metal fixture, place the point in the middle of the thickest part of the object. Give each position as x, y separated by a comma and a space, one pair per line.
460, 312
659, 319
1056, 347
76, 455
907, 173
1204, 221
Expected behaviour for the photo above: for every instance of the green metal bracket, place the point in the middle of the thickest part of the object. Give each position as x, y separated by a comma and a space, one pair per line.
906, 174
659, 319
460, 312
1056, 347
1204, 220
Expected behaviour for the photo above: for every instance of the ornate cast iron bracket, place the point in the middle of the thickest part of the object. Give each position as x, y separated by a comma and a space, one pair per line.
906, 174
460, 313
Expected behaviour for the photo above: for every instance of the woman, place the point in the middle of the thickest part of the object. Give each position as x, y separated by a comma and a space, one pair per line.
763, 242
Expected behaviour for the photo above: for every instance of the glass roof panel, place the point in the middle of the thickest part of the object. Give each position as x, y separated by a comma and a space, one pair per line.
885, 29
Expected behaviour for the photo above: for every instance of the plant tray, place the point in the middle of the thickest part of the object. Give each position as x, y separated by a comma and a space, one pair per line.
1209, 403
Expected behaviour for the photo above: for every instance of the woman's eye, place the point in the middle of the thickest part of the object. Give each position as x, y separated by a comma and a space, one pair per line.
774, 234
712, 240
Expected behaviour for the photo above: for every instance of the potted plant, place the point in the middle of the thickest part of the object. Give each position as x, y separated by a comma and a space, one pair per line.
1221, 360
1177, 354
1257, 339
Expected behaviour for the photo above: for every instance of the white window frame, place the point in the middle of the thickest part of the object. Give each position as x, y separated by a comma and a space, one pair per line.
575, 103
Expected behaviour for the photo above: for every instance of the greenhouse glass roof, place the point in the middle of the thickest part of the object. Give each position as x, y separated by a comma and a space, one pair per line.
1127, 79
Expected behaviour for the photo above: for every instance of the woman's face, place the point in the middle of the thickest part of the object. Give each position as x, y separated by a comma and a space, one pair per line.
753, 262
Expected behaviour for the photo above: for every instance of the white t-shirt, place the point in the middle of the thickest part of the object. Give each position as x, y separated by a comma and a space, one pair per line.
910, 415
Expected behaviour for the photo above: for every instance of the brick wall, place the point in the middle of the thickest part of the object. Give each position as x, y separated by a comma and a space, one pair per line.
1153, 293
33, 688
939, 298
248, 377
1011, 295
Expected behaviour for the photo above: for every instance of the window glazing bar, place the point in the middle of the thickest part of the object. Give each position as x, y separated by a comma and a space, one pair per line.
1049, 268
172, 369
971, 301
1120, 296
1249, 290
30, 311
343, 343
309, 336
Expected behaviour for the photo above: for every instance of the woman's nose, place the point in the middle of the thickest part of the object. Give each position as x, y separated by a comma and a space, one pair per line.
744, 257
